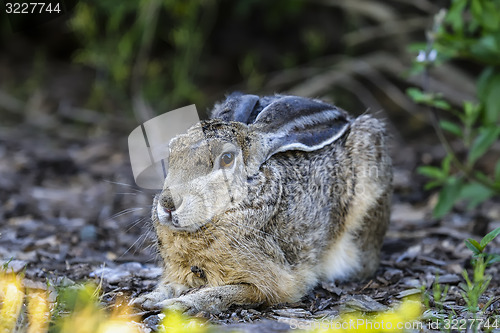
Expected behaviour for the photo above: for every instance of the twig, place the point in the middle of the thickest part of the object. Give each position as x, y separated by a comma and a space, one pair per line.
364, 94
423, 5
316, 81
384, 30
375, 10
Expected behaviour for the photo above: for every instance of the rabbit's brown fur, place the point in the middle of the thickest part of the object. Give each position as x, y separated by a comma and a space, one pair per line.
303, 217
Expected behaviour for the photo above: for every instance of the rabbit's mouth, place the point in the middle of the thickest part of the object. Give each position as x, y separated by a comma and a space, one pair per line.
170, 218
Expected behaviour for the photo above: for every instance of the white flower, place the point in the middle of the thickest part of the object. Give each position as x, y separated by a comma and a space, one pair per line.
424, 56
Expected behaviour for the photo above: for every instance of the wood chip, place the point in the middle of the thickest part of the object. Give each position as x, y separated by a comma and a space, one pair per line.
409, 292
364, 303
292, 313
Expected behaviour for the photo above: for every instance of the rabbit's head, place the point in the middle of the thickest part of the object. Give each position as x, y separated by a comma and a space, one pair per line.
206, 175
211, 166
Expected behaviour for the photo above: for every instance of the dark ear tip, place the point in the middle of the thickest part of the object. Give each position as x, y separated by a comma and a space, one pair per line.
236, 107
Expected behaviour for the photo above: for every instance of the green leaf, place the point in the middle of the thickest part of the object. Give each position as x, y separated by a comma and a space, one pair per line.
440, 104
490, 18
489, 237
432, 184
482, 142
492, 101
416, 47
445, 165
477, 9
497, 171
482, 177
434, 100
493, 259
483, 81
447, 197
451, 127
431, 172
416, 94
474, 246
484, 50
475, 193
454, 15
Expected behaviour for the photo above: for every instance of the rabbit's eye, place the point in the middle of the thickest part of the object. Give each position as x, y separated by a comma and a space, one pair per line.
226, 160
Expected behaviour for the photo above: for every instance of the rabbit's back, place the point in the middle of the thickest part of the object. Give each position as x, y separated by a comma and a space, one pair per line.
334, 209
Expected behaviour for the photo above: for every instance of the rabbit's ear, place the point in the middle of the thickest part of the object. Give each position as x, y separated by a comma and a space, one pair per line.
237, 107
297, 123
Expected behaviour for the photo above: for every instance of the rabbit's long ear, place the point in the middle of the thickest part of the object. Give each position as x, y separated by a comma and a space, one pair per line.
296, 123
237, 107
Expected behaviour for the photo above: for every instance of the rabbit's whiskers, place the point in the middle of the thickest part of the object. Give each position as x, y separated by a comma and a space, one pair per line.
137, 222
125, 212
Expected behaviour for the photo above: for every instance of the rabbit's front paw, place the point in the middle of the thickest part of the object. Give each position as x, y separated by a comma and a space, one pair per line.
154, 299
182, 304
193, 303
212, 299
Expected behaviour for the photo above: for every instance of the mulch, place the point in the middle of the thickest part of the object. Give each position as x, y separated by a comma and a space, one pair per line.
70, 212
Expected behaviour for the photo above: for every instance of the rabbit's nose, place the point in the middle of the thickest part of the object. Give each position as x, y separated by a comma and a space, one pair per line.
170, 201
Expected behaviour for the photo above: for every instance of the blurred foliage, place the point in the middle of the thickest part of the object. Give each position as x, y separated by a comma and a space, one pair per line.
157, 55
116, 38
154, 49
470, 30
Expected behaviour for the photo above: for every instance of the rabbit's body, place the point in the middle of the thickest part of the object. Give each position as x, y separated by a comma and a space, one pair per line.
297, 218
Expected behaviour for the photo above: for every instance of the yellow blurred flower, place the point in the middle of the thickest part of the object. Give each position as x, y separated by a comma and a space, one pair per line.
38, 312
175, 322
11, 301
403, 318
89, 317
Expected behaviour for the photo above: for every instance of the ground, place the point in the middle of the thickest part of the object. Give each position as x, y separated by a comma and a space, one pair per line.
70, 212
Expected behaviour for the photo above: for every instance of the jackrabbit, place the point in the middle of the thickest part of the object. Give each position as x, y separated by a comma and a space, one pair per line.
267, 198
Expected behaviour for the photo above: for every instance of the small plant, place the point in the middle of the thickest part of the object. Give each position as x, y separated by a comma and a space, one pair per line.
478, 248
470, 30
474, 288
436, 312
439, 293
